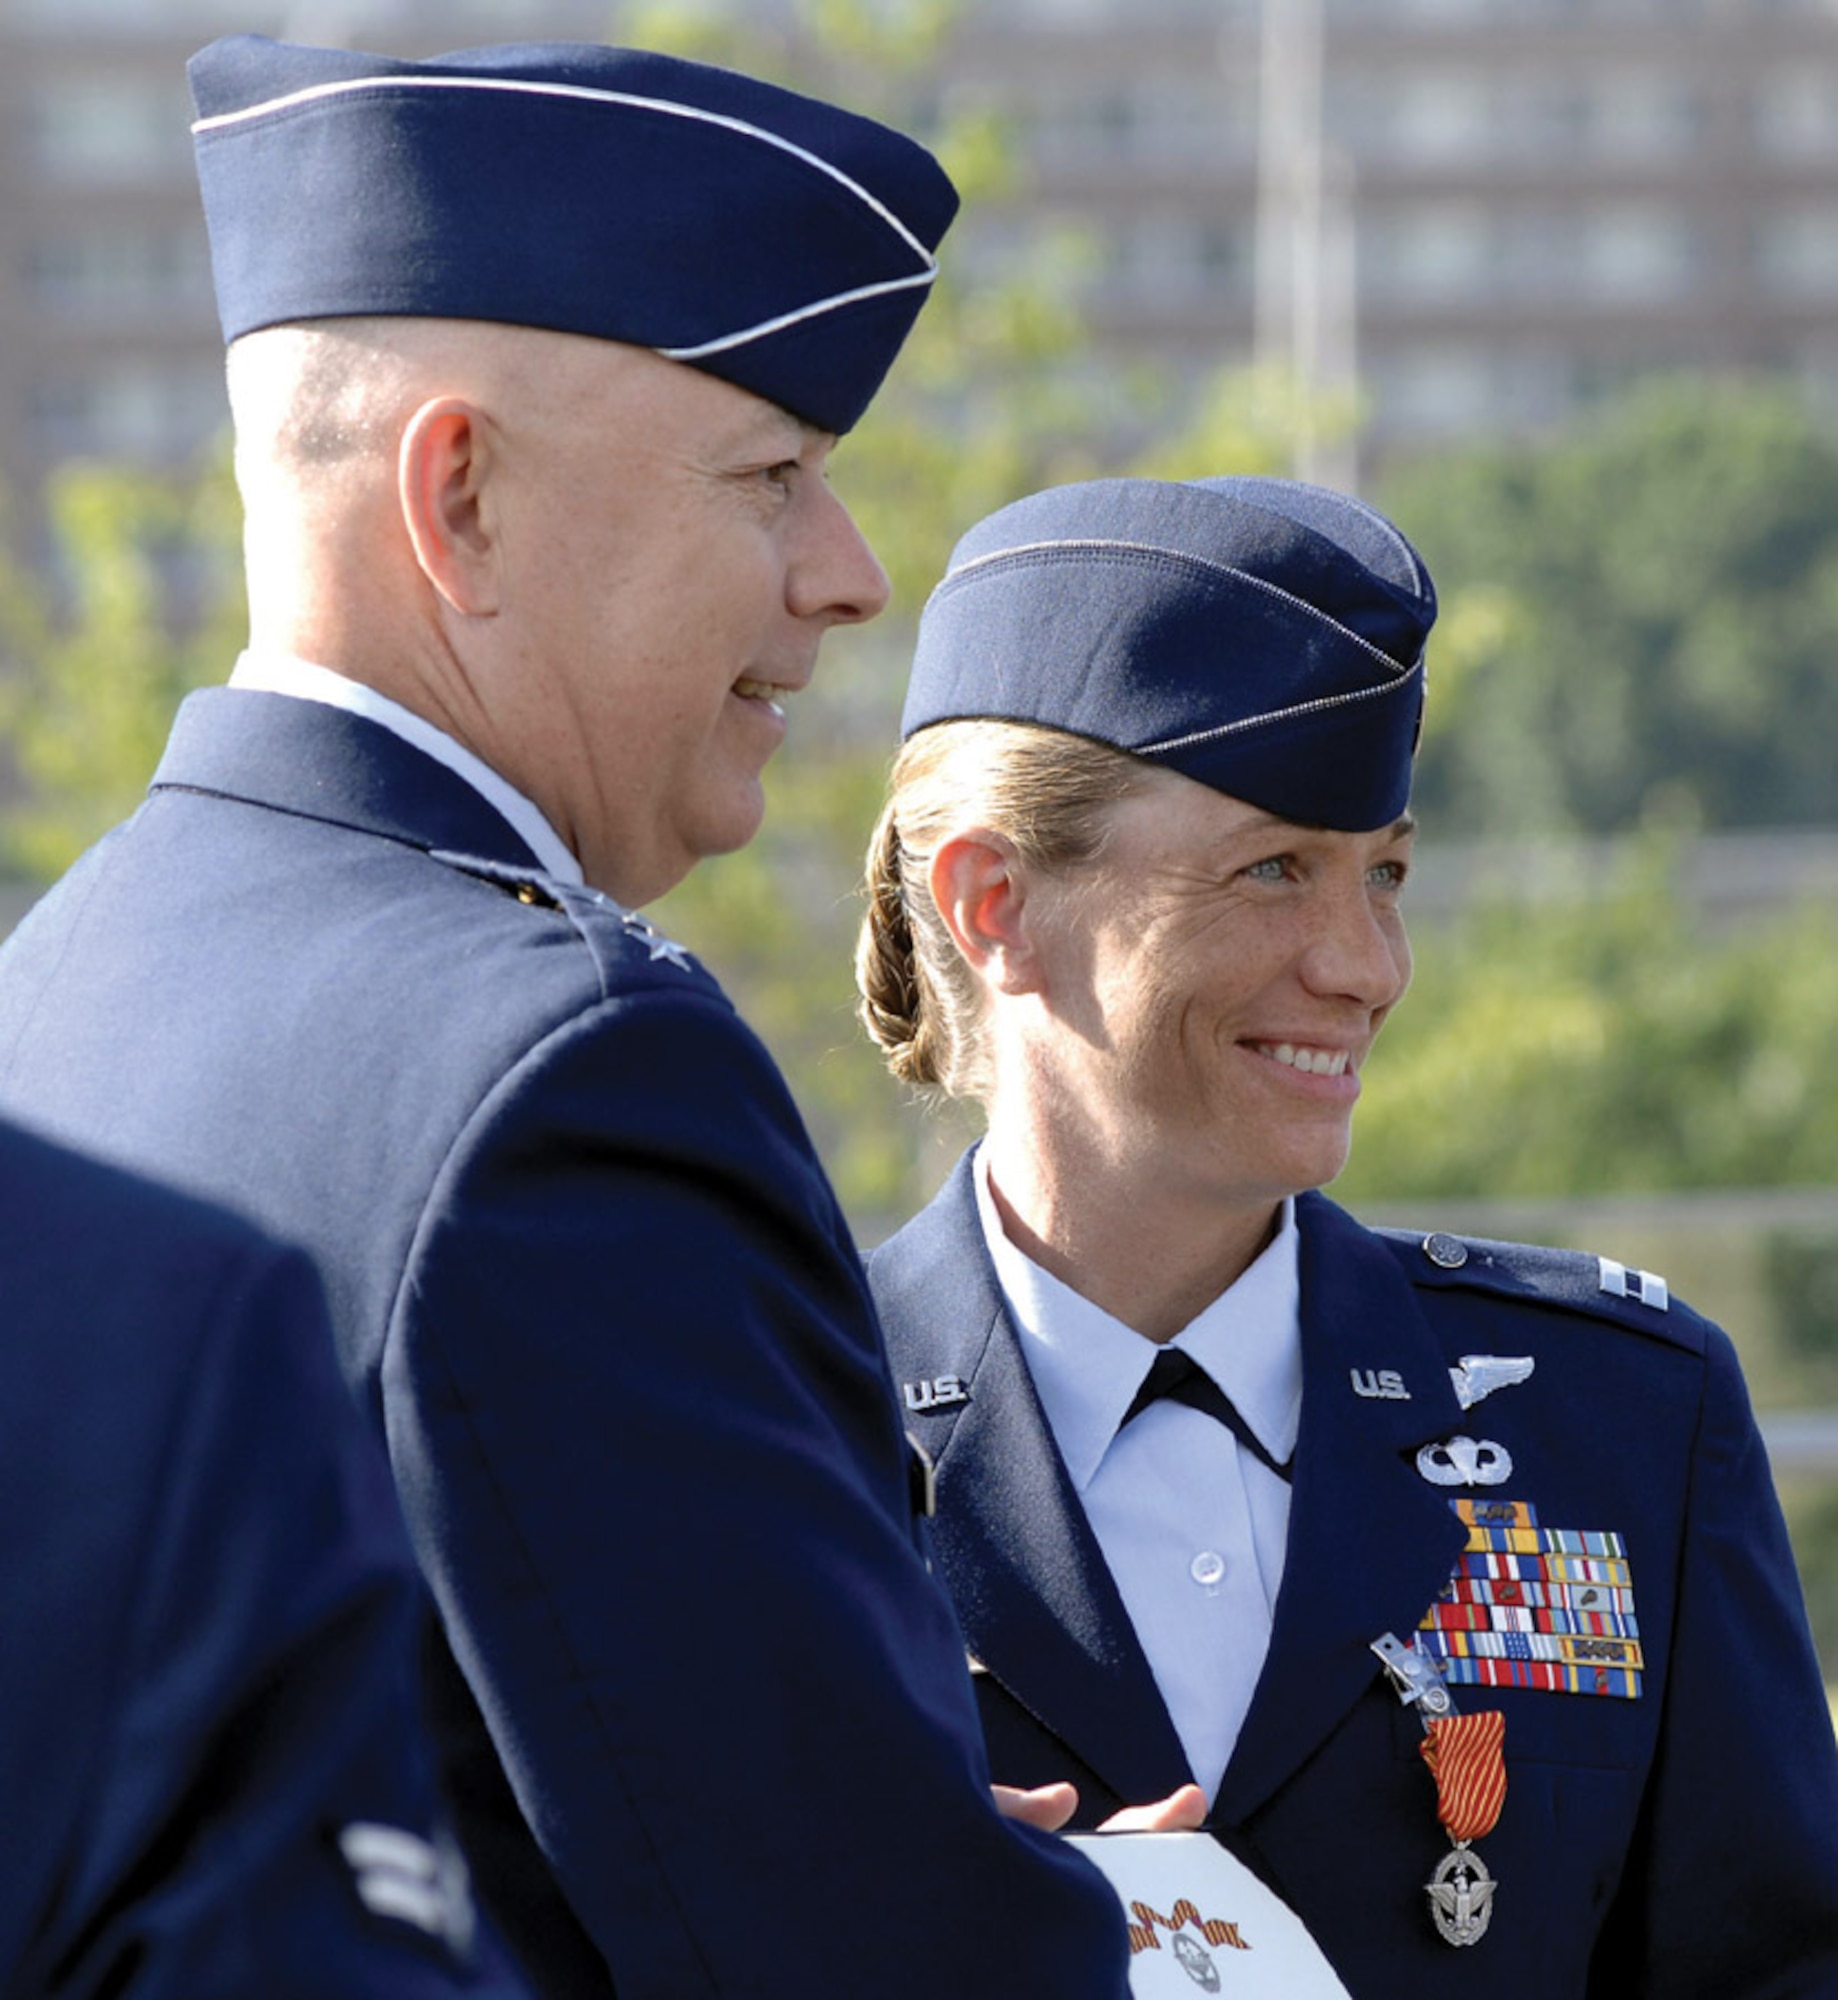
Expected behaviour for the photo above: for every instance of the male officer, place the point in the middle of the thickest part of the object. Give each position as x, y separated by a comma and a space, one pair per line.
1230, 1487
537, 357
214, 1775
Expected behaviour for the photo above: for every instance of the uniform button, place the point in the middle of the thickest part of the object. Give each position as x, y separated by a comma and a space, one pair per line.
1207, 1569
1447, 1253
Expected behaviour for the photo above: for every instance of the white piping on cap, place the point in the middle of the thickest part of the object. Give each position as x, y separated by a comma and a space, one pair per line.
351, 86
769, 326
1098, 544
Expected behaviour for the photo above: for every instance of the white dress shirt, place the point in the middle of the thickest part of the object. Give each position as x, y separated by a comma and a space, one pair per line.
282, 673
1192, 1525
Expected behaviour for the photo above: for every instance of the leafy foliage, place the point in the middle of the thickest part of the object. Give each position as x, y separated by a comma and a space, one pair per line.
1643, 616
148, 606
1600, 1040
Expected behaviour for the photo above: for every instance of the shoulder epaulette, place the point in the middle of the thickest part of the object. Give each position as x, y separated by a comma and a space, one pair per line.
1577, 1280
524, 885
595, 915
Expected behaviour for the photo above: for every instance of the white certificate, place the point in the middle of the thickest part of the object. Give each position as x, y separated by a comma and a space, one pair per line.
1201, 1922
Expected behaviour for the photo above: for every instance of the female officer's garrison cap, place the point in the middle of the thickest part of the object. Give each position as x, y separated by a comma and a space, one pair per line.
762, 236
1261, 636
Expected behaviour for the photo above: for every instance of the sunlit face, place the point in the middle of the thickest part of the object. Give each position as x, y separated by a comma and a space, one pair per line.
674, 555
1209, 988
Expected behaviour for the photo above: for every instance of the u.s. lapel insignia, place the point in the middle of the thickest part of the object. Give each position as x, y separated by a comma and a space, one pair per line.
1386, 1384
1465, 1461
1477, 1376
941, 1392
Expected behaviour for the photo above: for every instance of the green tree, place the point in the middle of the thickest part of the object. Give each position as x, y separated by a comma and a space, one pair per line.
1643, 612
144, 604
996, 394
1600, 1040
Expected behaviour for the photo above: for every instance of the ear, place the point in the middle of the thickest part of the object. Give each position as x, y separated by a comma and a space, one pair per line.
442, 477
978, 882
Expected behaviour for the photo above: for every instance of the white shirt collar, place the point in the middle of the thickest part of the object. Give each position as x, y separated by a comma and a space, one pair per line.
283, 673
1087, 1366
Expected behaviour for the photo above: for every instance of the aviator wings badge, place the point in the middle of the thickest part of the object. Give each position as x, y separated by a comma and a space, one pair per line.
1477, 1376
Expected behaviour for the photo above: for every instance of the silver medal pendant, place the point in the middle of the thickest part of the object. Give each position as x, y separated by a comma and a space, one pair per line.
1461, 1895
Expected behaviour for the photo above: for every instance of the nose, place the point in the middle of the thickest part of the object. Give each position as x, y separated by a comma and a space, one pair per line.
835, 576
1360, 950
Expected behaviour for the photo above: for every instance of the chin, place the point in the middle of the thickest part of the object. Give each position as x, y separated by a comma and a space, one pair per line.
735, 828
1315, 1167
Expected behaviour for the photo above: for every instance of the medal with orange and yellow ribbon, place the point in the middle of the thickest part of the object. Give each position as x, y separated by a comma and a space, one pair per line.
1466, 1756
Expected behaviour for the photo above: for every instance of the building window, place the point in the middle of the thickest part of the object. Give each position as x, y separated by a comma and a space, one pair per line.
137, 411
1434, 253
1102, 14
1796, 254
1635, 256
1795, 115
1433, 392
1441, 119
1644, 118
111, 131
103, 274
1175, 260
1146, 121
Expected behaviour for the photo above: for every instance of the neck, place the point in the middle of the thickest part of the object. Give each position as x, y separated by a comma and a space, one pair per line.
1152, 1263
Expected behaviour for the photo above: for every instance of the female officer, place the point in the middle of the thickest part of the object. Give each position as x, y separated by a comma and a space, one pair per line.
1452, 1571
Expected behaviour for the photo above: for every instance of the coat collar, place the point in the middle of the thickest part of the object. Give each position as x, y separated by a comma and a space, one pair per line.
323, 763
1039, 1608
1370, 1542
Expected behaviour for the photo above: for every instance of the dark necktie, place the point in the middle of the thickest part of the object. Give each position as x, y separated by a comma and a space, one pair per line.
1179, 1375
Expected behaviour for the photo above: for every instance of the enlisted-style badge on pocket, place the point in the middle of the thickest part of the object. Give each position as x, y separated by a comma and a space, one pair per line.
1536, 1607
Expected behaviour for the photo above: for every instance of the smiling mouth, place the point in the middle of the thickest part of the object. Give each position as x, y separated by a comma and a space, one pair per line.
1311, 1062
770, 692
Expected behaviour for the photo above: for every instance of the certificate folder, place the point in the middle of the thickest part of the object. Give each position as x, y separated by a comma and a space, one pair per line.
1201, 1922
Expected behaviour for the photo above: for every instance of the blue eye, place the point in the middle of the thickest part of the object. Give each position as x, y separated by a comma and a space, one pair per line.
1273, 870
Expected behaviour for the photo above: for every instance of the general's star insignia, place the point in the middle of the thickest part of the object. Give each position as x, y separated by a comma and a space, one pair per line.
661, 946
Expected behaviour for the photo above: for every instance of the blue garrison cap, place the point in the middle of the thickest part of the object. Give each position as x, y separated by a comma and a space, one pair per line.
1261, 636
765, 237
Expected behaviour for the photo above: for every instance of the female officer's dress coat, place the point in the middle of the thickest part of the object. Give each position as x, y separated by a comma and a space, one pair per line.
1677, 1841
588, 1276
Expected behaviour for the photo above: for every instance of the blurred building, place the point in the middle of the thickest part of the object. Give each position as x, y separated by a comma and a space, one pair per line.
109, 345
1490, 212
1510, 206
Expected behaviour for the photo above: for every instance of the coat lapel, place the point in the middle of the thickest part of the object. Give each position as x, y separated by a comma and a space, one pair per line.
308, 758
1371, 1543
1039, 1608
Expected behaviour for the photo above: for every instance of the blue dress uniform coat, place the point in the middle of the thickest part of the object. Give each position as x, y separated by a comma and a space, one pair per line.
1683, 1843
588, 1275
213, 1781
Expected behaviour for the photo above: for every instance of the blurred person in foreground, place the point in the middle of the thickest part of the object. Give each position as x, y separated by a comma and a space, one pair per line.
1231, 1488
216, 1781
538, 354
